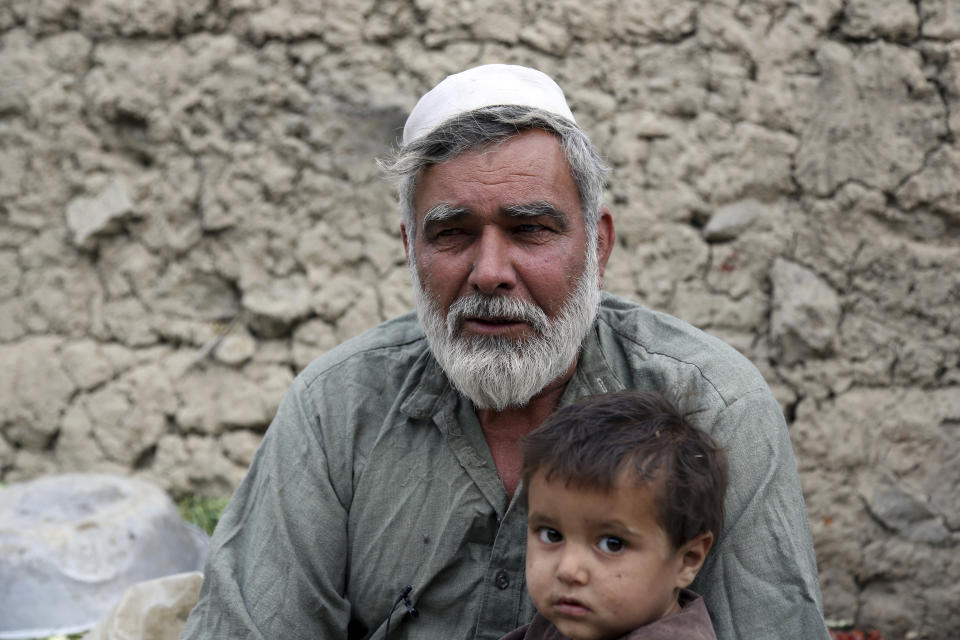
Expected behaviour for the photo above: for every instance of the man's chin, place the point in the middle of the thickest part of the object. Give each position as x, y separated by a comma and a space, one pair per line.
492, 346
485, 402
497, 373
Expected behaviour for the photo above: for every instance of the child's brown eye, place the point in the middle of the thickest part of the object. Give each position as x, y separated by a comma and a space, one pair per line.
611, 544
550, 536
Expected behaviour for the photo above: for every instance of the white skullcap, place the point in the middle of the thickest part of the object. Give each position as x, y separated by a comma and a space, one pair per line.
485, 86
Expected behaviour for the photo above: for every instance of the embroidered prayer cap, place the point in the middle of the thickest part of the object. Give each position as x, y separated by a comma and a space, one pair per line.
485, 86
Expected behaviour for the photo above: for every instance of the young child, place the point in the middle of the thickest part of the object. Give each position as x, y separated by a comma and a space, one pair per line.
624, 497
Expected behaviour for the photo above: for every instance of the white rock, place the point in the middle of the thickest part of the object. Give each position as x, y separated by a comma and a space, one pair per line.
88, 217
729, 221
74, 543
156, 609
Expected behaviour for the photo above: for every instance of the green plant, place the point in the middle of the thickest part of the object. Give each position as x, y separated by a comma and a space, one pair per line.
203, 511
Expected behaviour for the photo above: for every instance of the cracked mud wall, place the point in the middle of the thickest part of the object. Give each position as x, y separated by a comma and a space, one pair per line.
190, 212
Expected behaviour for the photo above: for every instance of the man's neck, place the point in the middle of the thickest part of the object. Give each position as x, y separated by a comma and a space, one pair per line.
503, 430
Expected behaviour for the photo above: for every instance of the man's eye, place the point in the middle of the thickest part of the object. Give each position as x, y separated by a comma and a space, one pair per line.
611, 544
549, 536
530, 228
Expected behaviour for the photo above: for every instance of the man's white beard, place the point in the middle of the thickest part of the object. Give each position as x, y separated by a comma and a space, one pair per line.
497, 372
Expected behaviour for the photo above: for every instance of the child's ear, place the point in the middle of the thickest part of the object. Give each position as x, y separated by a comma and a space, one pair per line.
692, 554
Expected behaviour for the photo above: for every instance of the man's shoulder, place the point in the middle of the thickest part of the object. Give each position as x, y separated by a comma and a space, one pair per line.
389, 345
648, 338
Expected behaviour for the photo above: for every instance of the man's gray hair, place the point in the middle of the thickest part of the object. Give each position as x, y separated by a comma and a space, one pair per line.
489, 125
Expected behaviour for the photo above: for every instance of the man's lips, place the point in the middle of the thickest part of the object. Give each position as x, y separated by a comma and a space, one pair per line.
492, 325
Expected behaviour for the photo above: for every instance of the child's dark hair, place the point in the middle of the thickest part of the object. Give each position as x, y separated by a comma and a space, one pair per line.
588, 444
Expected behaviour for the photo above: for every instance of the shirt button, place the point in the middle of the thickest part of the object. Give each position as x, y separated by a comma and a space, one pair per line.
501, 580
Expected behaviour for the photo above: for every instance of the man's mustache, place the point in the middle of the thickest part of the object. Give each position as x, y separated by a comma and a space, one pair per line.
480, 306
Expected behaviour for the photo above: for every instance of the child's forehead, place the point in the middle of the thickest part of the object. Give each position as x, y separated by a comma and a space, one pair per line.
630, 508
626, 483
625, 478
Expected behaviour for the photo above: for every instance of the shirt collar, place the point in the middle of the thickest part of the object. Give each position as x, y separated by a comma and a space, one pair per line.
593, 374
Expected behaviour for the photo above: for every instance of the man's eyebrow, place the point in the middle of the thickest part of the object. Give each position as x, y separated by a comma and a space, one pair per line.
537, 209
441, 213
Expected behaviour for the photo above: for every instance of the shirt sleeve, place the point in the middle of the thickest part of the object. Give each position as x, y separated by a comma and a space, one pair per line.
760, 580
277, 561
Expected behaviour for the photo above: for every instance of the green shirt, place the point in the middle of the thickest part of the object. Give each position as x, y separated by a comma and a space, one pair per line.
375, 475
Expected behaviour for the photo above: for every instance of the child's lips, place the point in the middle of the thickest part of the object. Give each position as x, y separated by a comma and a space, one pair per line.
571, 607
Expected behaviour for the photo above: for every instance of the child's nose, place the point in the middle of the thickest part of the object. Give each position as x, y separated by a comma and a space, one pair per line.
574, 566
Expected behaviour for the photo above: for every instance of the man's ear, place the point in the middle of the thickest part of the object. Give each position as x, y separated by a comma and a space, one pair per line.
691, 558
605, 239
406, 241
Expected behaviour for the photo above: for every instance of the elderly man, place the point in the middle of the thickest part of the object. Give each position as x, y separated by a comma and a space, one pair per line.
383, 500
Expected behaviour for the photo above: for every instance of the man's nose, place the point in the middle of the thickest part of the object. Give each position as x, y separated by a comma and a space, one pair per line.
492, 270
574, 566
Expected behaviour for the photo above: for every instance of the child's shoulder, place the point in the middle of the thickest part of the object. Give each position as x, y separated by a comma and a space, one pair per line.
539, 629
517, 634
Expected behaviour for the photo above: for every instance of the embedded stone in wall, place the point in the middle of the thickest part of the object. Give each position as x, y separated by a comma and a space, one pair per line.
128, 322
128, 416
239, 446
337, 295
276, 306
89, 217
194, 464
752, 161
86, 364
215, 398
9, 274
34, 391
384, 250
936, 185
77, 449
806, 313
738, 265
893, 19
730, 220
136, 17
186, 293
655, 20
878, 115
898, 509
498, 26
310, 340
940, 18
236, 347
546, 35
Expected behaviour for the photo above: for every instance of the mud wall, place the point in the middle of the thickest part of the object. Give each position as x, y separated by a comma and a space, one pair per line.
190, 212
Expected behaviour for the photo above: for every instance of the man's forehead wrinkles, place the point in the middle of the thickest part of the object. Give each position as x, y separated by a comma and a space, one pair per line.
503, 168
502, 174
